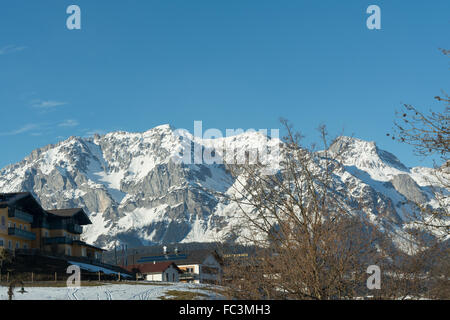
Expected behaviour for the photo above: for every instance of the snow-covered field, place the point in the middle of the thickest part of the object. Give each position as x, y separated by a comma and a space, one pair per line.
111, 292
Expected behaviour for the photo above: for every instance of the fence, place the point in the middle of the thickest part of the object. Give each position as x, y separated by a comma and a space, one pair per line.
31, 266
36, 277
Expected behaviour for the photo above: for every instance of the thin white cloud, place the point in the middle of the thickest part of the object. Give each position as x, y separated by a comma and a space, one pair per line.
92, 132
39, 129
68, 123
23, 129
47, 104
11, 49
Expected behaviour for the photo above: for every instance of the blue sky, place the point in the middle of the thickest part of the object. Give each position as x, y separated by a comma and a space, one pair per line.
232, 64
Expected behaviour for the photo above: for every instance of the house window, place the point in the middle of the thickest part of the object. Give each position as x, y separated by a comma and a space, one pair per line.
20, 226
3, 221
9, 244
9, 224
69, 251
25, 228
17, 245
1, 242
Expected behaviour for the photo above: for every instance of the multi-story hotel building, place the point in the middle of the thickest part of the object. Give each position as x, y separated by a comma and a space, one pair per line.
24, 224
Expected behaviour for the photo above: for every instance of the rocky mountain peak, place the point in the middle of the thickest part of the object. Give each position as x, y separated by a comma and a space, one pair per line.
135, 194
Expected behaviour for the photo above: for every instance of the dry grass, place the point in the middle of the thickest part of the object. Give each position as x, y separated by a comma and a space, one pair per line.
183, 295
143, 283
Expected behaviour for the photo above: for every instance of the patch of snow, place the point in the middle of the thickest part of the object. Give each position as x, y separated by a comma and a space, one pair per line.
92, 268
125, 291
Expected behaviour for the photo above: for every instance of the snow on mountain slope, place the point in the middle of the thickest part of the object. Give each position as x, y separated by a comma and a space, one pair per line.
367, 157
136, 192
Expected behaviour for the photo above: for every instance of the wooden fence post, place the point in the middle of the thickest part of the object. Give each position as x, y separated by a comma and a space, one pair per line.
119, 276
32, 277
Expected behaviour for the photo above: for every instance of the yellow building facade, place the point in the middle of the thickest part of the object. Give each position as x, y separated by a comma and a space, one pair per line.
25, 225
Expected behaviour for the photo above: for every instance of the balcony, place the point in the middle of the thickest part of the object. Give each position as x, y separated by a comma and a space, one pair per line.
79, 242
58, 225
20, 215
74, 228
188, 276
44, 225
21, 233
57, 240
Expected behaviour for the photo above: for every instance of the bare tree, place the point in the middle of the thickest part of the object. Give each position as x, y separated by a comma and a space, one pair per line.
312, 246
314, 239
429, 134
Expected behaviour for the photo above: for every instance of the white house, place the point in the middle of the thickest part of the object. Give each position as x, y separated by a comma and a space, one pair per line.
158, 271
201, 267
198, 266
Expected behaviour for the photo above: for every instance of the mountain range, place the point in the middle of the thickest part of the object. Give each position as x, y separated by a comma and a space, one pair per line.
135, 193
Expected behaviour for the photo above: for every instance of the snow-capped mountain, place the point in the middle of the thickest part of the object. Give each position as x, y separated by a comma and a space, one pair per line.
136, 193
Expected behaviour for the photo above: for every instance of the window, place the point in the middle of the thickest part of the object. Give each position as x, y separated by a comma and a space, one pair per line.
9, 244
3, 221
17, 245
25, 228
9, 224
69, 251
20, 226
1, 242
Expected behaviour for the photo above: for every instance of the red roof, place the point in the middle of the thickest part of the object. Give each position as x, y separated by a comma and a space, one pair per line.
152, 267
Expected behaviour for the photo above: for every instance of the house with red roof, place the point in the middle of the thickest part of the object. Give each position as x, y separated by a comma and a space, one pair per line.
157, 271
